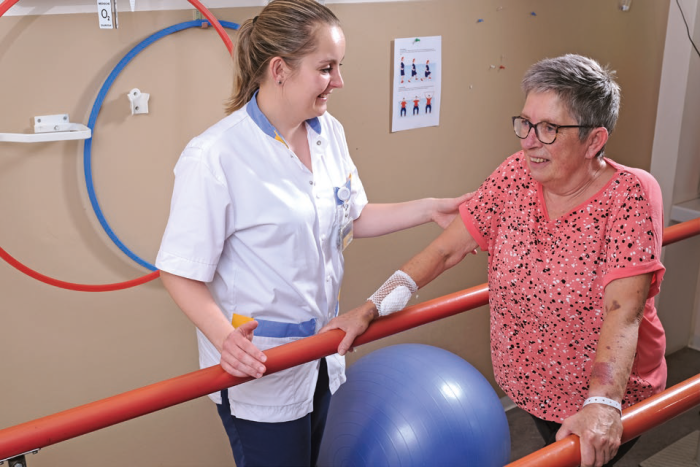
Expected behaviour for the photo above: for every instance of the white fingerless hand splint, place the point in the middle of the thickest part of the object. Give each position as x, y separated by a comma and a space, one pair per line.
394, 294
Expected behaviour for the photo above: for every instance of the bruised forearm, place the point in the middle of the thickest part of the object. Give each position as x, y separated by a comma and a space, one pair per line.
624, 309
614, 358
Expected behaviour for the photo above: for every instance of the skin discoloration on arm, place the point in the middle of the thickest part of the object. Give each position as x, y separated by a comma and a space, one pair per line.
602, 373
624, 305
599, 426
640, 298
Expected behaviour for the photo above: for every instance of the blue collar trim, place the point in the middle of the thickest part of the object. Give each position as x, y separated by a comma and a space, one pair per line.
264, 124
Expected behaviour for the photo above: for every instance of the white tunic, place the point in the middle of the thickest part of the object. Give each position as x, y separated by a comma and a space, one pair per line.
262, 231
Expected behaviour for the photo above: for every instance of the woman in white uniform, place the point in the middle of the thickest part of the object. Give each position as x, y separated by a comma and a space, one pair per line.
264, 203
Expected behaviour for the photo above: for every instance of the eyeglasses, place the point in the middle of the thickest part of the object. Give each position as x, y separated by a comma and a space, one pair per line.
546, 132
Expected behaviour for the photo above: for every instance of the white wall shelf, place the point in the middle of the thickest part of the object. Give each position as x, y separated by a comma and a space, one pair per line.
686, 211
80, 132
50, 128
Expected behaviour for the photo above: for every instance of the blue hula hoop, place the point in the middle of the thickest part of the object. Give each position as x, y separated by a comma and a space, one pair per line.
87, 151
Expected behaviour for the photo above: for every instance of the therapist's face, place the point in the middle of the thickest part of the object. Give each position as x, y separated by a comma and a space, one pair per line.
309, 87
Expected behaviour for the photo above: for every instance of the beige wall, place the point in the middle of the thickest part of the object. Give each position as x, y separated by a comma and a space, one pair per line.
63, 348
676, 165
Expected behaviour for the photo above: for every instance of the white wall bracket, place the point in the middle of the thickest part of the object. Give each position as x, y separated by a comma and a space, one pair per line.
139, 101
49, 128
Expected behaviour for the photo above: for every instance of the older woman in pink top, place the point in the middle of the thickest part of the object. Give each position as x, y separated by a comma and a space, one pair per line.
574, 241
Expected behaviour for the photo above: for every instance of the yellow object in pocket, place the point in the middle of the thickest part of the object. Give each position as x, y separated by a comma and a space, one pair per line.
238, 320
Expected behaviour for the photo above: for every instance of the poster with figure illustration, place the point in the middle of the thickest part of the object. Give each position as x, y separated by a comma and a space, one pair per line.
417, 77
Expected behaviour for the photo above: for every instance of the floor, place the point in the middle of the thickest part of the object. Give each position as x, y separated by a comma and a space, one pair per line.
681, 365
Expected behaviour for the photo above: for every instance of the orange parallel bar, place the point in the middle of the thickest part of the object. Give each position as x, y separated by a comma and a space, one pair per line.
90, 417
84, 419
635, 420
678, 232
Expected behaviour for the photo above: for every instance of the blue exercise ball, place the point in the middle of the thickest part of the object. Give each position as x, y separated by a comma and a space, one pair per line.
412, 405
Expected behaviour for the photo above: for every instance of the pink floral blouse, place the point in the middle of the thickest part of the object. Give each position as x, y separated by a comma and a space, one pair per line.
547, 278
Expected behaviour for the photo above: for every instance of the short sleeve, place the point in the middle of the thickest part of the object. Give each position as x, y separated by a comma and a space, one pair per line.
635, 230
200, 221
359, 197
482, 213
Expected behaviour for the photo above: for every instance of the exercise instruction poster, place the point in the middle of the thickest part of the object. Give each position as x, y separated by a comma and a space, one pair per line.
416, 97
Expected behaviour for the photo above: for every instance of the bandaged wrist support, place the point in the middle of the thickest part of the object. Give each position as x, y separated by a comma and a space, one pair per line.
394, 294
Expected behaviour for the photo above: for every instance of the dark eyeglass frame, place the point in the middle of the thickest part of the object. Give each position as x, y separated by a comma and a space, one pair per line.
537, 133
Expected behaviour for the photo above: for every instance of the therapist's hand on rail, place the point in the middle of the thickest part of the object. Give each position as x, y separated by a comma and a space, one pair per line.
354, 323
239, 356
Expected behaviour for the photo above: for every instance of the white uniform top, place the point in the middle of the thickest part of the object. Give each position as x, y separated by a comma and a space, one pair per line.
262, 231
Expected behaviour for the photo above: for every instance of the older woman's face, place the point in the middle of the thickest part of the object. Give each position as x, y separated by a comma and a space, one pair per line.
552, 164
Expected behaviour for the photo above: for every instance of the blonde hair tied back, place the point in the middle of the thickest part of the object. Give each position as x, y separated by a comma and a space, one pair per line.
284, 28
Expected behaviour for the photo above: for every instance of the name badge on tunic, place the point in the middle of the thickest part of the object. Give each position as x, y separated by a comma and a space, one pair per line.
342, 201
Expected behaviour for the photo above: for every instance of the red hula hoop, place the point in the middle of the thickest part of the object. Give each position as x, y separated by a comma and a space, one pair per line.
6, 5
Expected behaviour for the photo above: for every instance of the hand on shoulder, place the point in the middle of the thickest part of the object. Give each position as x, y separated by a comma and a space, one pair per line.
446, 209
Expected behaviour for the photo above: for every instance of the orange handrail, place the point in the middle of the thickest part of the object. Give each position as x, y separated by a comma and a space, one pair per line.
678, 232
80, 420
122, 407
635, 420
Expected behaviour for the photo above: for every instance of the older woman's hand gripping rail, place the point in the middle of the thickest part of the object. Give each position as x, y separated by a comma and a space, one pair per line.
598, 423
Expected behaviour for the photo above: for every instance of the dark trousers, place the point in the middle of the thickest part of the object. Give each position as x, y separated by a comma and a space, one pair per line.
294, 443
548, 431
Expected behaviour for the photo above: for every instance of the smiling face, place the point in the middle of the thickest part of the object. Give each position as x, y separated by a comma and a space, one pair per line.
308, 87
563, 162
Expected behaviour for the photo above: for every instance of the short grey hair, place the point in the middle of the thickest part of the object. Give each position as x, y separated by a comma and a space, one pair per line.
588, 90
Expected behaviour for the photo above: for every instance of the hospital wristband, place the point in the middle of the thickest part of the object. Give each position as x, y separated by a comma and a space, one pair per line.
604, 401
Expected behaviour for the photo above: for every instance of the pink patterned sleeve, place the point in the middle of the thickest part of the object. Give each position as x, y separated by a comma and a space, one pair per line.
635, 231
482, 213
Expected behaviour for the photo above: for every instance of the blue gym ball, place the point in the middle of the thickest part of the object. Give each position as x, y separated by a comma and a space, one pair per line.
412, 405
